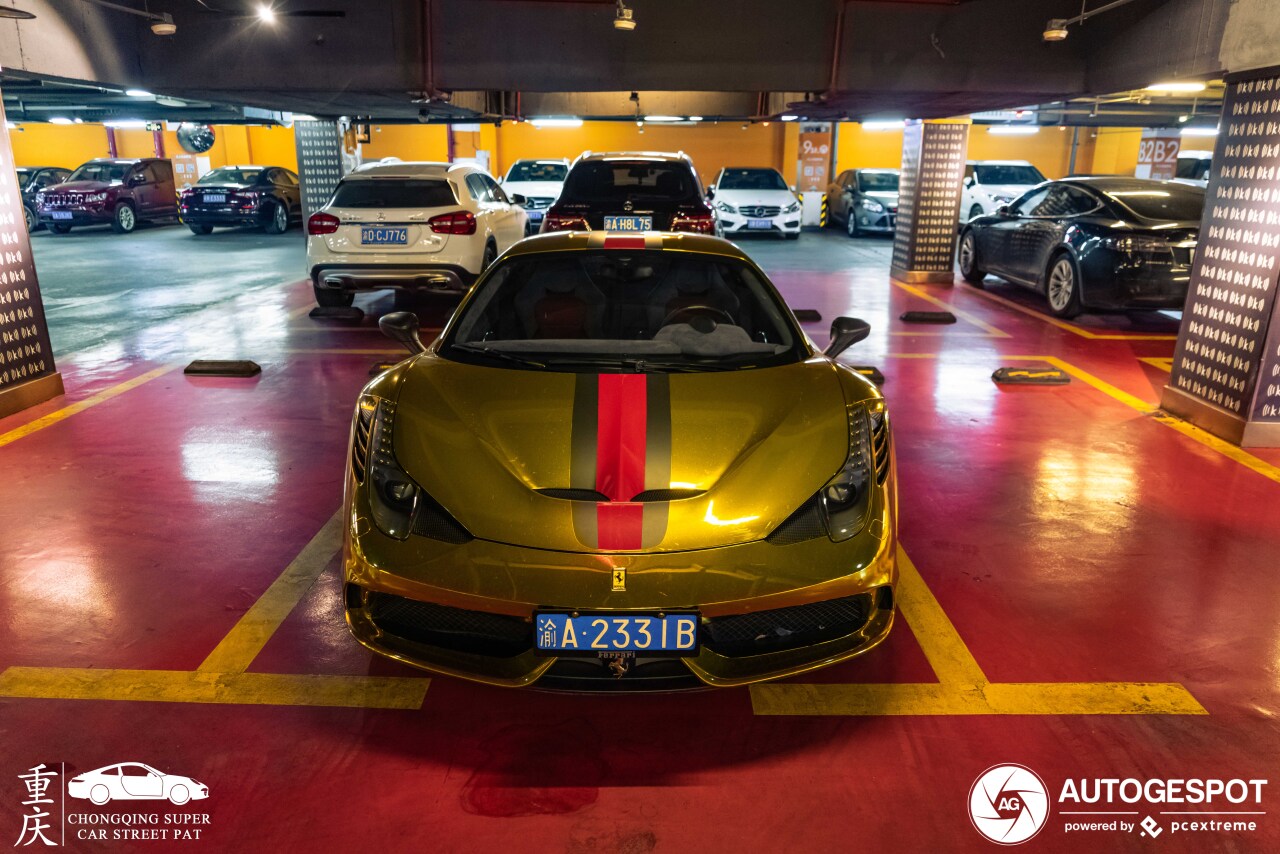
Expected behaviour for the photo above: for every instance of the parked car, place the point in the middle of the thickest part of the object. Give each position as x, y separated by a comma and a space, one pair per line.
754, 200
268, 197
865, 201
409, 226
33, 179
134, 781
539, 181
988, 184
1091, 243
631, 191
1194, 167
621, 466
118, 192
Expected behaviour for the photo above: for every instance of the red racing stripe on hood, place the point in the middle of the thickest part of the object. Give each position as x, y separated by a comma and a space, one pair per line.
622, 416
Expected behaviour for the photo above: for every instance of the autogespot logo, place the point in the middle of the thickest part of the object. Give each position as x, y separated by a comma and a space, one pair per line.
1008, 804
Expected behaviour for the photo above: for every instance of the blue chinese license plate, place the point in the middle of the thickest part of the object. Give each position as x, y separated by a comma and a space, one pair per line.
534, 216
382, 236
628, 223
759, 223
589, 634
61, 214
214, 198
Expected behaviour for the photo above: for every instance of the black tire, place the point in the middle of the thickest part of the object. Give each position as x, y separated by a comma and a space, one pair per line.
975, 212
1062, 286
277, 221
124, 220
490, 255
200, 229
29, 217
851, 225
330, 298
968, 260
59, 228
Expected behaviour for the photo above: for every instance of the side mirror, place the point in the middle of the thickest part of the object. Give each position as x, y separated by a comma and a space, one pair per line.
402, 327
968, 181
517, 199
711, 191
845, 332
136, 179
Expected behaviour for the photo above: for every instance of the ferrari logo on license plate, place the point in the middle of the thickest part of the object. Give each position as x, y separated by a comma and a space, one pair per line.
620, 580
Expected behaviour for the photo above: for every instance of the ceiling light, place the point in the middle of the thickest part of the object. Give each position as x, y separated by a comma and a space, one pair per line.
1184, 118
695, 118
266, 14
16, 14
123, 124
1013, 130
164, 25
77, 121
565, 122
623, 20
788, 118
138, 93
1201, 131
304, 117
1175, 86
884, 124
1055, 30
664, 118
59, 120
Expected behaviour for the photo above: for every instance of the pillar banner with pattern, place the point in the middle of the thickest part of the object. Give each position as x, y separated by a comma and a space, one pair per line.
27, 372
1226, 368
933, 157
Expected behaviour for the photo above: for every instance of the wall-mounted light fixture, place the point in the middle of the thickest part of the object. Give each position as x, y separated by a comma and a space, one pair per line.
1056, 29
624, 18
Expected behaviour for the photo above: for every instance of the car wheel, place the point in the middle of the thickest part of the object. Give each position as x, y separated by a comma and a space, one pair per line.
278, 221
99, 794
490, 255
330, 298
29, 217
200, 229
179, 795
851, 225
1063, 287
968, 259
59, 228
975, 212
125, 220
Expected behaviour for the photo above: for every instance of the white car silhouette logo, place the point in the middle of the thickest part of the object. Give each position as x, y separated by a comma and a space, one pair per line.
134, 781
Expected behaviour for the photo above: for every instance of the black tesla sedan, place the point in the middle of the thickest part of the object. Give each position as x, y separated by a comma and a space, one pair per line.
264, 196
1091, 244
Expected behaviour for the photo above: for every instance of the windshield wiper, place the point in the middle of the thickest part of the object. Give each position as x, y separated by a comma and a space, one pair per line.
494, 353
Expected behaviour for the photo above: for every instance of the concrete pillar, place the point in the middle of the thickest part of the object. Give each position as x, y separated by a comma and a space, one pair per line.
933, 155
1226, 369
27, 372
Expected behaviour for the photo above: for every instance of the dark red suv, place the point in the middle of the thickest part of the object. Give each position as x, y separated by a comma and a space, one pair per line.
120, 192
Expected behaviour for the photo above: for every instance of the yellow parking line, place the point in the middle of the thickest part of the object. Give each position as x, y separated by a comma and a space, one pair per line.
1071, 327
1164, 364
991, 331
184, 686
347, 351
1158, 415
81, 405
235, 652
950, 659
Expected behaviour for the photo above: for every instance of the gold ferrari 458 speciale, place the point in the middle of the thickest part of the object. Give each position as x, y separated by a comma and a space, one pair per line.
621, 466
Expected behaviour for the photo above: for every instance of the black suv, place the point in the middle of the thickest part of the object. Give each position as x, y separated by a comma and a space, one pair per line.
33, 179
631, 192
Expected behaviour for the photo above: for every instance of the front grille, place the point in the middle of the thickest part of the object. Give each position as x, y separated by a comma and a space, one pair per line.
644, 674
474, 632
880, 445
434, 521
574, 494
787, 628
760, 210
804, 524
537, 203
360, 445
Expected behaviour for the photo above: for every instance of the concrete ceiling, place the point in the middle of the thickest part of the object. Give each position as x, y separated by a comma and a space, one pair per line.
449, 59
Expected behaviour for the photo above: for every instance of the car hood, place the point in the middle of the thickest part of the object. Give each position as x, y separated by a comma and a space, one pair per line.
883, 195
748, 448
534, 189
1012, 190
80, 187
777, 198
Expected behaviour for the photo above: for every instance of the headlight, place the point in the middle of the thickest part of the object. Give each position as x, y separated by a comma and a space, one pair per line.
872, 205
393, 496
846, 498
791, 208
1002, 198
726, 207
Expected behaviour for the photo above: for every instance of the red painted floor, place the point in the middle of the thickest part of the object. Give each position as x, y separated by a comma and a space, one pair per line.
1068, 538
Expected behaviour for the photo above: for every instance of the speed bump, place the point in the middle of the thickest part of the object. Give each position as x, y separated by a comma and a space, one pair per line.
339, 312
927, 317
223, 368
1030, 376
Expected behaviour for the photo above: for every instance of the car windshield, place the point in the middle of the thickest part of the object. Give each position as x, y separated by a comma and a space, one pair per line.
1169, 202
394, 193
751, 179
1195, 168
538, 170
999, 173
606, 181
106, 172
24, 175
232, 175
886, 182
621, 311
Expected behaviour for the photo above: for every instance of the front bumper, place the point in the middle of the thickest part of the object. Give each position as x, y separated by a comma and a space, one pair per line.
785, 223
417, 277
466, 610
78, 217
1110, 284
223, 216
884, 222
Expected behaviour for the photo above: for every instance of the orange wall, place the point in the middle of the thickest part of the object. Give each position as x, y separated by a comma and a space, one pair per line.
1115, 151
408, 142
39, 144
57, 145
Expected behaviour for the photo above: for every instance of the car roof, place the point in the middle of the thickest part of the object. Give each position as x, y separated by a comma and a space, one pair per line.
748, 169
667, 156
1119, 183
879, 169
119, 160
561, 241
997, 162
411, 169
541, 160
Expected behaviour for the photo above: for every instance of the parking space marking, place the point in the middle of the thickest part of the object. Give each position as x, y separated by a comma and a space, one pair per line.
950, 658
346, 351
186, 686
235, 652
991, 331
81, 405
1071, 327
1164, 364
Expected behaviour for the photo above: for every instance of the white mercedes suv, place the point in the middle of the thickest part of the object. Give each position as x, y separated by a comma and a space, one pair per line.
991, 184
540, 182
411, 227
